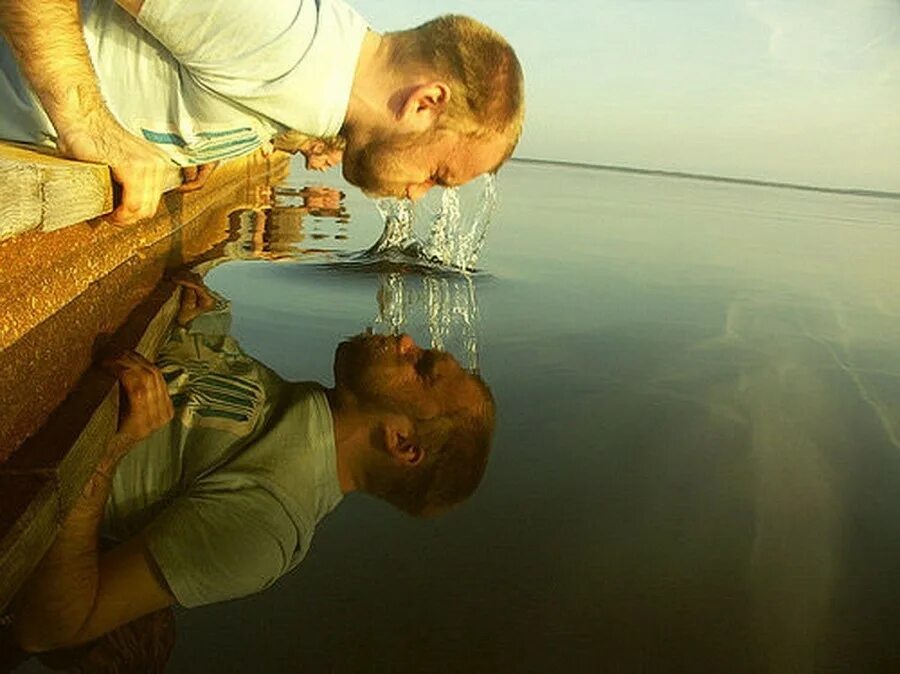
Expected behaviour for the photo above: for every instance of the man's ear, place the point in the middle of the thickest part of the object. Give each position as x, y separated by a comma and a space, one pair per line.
400, 441
424, 103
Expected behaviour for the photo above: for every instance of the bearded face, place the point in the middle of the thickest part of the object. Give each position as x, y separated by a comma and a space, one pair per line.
393, 373
408, 165
385, 164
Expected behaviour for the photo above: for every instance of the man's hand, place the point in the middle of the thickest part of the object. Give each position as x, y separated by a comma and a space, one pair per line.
137, 165
47, 39
195, 177
145, 403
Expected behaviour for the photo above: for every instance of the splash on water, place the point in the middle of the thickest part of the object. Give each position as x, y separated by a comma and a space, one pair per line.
447, 303
399, 232
453, 239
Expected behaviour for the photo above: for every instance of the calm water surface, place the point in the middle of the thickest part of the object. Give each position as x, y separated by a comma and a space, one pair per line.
697, 463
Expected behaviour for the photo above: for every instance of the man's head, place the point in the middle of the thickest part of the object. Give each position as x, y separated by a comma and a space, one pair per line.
455, 94
431, 427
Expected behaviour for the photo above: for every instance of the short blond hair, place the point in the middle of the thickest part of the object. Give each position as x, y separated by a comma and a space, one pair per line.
482, 69
457, 447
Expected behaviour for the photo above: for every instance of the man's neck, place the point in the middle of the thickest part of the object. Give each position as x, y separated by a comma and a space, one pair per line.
351, 435
370, 104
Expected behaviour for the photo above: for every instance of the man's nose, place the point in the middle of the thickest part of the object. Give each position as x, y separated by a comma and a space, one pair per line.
406, 344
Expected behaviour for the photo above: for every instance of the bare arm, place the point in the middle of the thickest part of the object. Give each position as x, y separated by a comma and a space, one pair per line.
76, 594
47, 38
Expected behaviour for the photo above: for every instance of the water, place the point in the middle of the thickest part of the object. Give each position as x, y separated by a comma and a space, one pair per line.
697, 461
454, 239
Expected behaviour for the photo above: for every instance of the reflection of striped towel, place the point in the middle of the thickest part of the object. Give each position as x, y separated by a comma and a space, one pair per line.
217, 395
227, 401
209, 146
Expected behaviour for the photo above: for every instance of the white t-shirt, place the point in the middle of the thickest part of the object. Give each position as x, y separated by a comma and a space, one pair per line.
209, 79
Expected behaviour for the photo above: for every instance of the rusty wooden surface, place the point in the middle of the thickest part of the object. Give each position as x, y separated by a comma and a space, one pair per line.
95, 294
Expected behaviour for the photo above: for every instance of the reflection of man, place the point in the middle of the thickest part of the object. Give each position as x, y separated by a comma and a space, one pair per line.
223, 499
146, 82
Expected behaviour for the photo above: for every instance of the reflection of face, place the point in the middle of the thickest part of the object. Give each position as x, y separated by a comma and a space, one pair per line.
408, 165
395, 373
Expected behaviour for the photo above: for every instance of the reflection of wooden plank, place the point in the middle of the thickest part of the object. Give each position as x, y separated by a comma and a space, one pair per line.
66, 449
39, 190
152, 321
29, 508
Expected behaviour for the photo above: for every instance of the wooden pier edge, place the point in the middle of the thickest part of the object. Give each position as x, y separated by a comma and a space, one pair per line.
39, 190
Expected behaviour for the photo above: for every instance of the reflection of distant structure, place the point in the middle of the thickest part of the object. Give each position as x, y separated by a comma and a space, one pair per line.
275, 233
446, 304
316, 200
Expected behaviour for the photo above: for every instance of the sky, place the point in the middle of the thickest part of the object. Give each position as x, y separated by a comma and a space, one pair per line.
801, 91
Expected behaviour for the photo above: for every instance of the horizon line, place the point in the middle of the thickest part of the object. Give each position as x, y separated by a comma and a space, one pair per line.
756, 182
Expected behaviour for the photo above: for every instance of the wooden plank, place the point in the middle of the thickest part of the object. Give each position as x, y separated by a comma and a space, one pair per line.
37, 379
40, 190
65, 262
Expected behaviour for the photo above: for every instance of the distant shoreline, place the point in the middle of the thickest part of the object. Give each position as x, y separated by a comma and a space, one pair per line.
858, 192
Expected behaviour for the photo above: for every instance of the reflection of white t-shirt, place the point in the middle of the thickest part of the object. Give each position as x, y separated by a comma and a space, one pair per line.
208, 79
228, 494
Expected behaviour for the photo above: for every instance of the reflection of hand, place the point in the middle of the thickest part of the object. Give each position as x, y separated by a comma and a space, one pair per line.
195, 300
321, 159
195, 177
145, 403
138, 166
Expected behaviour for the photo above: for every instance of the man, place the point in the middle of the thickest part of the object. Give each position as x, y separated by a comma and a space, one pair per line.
221, 500
146, 82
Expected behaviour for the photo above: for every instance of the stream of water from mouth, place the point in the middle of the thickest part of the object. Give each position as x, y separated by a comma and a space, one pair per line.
454, 238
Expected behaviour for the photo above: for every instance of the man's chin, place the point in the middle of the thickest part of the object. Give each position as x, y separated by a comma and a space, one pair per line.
348, 172
355, 355
370, 188
353, 347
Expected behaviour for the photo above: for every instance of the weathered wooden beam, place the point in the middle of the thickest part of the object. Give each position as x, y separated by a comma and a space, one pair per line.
40, 190
42, 271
